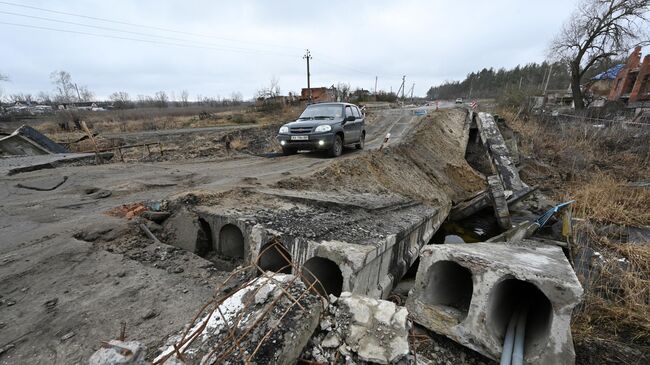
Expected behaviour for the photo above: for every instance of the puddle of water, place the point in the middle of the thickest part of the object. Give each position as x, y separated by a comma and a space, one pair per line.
476, 228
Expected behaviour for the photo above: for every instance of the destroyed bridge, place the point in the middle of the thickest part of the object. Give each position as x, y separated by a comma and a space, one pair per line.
283, 260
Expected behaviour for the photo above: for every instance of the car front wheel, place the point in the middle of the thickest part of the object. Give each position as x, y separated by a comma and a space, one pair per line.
337, 147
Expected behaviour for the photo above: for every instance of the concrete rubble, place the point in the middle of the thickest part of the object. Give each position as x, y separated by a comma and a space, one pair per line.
358, 329
115, 352
267, 321
28, 141
469, 292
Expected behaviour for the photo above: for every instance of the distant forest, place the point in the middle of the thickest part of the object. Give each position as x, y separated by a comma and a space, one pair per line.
491, 83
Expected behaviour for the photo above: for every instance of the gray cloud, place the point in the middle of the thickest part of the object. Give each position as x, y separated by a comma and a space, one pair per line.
429, 41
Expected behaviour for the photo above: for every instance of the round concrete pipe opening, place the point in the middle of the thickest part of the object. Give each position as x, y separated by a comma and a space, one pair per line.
204, 244
511, 294
274, 257
231, 241
327, 272
450, 285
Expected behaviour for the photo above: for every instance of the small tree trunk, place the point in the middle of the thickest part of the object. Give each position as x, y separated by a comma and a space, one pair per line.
578, 101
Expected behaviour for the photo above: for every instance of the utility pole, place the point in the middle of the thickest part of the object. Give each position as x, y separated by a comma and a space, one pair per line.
401, 88
412, 87
375, 85
307, 56
77, 88
550, 69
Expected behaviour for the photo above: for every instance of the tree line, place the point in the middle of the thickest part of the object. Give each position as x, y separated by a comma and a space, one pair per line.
598, 35
67, 91
532, 77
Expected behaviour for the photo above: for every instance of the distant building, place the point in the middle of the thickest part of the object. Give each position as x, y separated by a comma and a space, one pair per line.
632, 83
319, 94
601, 84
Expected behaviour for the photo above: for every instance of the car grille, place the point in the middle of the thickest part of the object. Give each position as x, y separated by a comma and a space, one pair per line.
301, 129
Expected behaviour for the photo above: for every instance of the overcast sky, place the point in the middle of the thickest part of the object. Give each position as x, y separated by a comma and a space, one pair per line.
241, 45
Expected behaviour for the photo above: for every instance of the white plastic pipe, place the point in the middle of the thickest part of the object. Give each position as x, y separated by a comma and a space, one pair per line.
518, 350
508, 342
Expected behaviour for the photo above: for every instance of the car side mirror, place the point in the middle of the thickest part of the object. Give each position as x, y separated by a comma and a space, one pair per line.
350, 118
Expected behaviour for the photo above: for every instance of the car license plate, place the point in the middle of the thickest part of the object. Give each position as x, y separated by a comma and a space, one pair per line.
299, 138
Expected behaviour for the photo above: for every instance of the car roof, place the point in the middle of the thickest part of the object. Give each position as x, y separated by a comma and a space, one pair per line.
331, 103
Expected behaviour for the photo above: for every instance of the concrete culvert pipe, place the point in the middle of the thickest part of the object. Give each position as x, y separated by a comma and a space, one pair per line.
511, 294
274, 257
327, 272
204, 243
450, 285
231, 241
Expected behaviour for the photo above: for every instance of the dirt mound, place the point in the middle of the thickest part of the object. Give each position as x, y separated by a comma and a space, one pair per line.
428, 165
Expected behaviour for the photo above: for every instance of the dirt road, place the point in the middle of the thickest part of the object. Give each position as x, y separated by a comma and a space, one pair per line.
60, 295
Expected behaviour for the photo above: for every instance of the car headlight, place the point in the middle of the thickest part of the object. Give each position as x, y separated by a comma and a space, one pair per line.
284, 129
323, 128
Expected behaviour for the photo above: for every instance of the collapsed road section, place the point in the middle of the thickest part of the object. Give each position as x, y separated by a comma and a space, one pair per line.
341, 236
354, 223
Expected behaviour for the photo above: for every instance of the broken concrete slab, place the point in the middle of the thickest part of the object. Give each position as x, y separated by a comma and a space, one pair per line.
499, 202
20, 164
348, 247
377, 329
28, 141
481, 201
499, 154
267, 321
469, 292
363, 330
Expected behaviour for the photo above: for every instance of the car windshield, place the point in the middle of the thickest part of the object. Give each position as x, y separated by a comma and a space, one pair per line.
322, 111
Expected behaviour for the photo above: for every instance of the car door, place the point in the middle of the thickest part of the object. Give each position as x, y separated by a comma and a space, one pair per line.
349, 128
359, 122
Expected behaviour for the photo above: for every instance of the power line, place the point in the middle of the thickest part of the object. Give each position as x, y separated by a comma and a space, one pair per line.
144, 26
128, 38
135, 33
197, 44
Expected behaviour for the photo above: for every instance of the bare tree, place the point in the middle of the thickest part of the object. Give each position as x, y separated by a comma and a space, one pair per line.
161, 99
64, 88
342, 91
3, 77
67, 91
598, 30
185, 97
84, 94
21, 98
120, 99
236, 97
44, 98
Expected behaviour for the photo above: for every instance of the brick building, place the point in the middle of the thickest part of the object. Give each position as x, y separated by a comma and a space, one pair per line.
319, 94
632, 84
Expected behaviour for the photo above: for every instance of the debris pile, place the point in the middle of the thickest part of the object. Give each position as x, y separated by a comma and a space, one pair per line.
267, 321
358, 329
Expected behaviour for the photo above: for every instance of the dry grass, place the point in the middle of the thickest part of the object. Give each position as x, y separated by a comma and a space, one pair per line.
136, 120
617, 297
607, 200
238, 144
595, 166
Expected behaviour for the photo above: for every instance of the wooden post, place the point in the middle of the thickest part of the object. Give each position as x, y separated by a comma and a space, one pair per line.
98, 158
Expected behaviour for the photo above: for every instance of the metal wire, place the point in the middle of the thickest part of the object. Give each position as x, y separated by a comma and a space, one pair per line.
233, 342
